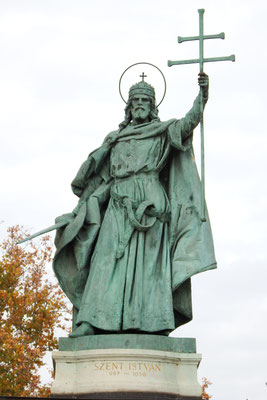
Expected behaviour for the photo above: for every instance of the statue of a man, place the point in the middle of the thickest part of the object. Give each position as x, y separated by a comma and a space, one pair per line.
135, 238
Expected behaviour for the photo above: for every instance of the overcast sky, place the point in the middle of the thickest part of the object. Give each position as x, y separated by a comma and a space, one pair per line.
60, 66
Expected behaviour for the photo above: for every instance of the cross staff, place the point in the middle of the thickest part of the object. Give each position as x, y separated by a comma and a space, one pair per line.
201, 60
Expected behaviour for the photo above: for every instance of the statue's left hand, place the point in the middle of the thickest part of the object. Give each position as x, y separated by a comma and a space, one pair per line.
203, 81
65, 218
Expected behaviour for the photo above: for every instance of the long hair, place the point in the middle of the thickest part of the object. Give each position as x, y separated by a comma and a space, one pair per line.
128, 116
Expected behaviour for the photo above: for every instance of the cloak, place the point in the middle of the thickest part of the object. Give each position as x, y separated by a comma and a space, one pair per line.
191, 240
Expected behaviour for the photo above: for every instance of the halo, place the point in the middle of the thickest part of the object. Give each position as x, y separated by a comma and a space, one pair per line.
165, 85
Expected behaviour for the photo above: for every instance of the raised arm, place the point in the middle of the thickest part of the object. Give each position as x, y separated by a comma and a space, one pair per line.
192, 118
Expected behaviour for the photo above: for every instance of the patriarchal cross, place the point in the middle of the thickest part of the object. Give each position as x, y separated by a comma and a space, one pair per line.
201, 60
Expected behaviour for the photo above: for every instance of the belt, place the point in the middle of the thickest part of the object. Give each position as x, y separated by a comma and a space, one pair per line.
135, 213
145, 175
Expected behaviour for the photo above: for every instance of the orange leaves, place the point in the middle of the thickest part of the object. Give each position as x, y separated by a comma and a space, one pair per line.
31, 307
205, 385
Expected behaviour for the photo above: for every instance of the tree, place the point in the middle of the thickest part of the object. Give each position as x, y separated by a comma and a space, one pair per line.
31, 307
204, 386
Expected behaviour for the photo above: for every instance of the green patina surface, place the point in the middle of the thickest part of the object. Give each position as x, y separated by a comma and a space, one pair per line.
130, 247
128, 341
126, 253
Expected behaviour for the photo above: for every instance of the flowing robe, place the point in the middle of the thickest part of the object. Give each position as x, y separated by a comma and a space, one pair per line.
126, 259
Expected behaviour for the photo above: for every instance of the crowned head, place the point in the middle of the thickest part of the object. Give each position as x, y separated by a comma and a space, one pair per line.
142, 88
141, 105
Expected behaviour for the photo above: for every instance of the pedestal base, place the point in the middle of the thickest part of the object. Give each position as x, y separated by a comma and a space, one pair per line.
137, 373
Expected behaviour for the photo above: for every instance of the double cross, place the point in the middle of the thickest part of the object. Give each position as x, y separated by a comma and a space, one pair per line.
201, 60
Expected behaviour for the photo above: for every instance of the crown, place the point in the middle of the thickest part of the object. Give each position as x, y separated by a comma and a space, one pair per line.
142, 88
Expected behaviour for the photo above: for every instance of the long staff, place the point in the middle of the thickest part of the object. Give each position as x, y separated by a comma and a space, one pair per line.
201, 51
201, 60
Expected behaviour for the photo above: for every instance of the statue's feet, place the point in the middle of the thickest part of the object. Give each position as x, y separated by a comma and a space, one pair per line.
83, 330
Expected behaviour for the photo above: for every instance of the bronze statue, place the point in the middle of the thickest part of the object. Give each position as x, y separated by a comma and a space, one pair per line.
126, 253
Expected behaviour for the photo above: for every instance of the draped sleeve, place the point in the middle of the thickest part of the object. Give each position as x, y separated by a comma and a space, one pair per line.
181, 131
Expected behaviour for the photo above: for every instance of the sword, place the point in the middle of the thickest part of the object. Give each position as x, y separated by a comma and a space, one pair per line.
49, 229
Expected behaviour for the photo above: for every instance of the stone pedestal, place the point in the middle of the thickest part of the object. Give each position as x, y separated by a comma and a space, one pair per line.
144, 365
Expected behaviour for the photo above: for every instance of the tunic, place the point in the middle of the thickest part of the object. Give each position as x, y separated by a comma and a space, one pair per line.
126, 259
136, 289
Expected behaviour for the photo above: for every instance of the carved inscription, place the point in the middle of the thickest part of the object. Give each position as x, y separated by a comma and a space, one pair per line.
133, 368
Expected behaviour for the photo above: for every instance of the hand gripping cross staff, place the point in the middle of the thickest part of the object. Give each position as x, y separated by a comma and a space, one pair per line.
201, 60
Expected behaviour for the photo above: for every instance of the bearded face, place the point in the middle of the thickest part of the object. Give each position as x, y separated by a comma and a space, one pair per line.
140, 109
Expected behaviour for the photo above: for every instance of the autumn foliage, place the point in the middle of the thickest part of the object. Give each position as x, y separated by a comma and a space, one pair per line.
205, 385
31, 307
